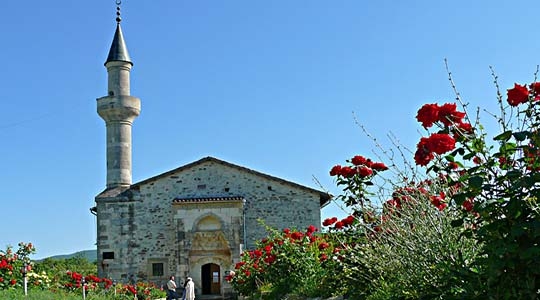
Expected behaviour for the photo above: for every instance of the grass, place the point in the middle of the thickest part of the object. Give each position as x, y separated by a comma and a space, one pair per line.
49, 295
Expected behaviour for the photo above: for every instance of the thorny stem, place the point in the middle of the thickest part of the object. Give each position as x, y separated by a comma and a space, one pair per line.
502, 118
390, 155
456, 92
464, 105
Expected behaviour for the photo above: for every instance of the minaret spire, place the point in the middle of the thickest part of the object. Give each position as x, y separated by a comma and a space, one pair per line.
118, 51
119, 109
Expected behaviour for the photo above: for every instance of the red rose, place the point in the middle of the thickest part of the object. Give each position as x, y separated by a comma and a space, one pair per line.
336, 170
369, 163
394, 203
365, 171
338, 225
535, 87
465, 127
379, 166
239, 264
348, 172
329, 221
428, 114
504, 162
132, 289
517, 95
311, 229
423, 155
440, 143
270, 259
423, 158
323, 257
358, 160
462, 129
442, 206
297, 235
438, 201
448, 114
468, 205
323, 245
13, 281
348, 220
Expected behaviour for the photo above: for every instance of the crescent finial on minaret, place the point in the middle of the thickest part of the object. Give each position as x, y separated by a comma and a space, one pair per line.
118, 18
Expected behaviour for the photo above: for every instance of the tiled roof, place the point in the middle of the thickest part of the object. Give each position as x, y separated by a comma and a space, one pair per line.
116, 192
207, 199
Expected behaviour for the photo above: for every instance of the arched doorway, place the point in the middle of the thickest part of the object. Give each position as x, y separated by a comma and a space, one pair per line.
210, 279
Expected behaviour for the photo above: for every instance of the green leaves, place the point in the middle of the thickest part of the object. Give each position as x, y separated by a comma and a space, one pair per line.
505, 136
521, 136
507, 149
457, 222
476, 182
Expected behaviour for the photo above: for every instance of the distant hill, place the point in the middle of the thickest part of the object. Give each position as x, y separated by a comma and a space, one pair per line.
90, 255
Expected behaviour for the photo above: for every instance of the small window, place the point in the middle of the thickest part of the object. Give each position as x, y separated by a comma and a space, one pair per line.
201, 186
157, 269
108, 255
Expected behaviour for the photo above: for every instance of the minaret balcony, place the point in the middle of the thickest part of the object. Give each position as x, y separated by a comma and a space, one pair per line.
118, 108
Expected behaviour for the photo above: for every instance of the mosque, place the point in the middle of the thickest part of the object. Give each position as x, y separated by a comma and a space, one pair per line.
194, 220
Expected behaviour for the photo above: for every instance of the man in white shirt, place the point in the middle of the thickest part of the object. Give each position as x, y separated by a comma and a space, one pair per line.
171, 289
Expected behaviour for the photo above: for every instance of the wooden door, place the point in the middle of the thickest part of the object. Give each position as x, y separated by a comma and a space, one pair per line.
211, 279
216, 279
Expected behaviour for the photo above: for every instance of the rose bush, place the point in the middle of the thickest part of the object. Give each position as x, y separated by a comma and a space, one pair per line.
74, 282
286, 262
402, 244
12, 265
468, 227
486, 200
51, 275
497, 184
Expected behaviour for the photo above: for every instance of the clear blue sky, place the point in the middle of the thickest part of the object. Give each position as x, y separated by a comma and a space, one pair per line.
269, 85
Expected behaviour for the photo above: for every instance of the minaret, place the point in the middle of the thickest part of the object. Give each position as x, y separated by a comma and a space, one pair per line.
118, 109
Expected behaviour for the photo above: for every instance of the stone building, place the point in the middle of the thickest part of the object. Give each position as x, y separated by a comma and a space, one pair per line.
191, 221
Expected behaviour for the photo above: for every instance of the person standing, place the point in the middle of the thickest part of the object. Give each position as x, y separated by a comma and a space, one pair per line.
189, 289
171, 289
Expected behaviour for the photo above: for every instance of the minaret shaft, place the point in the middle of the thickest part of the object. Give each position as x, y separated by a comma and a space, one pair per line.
118, 79
118, 109
118, 153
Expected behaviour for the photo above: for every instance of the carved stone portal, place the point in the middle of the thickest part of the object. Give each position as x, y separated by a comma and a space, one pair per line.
209, 241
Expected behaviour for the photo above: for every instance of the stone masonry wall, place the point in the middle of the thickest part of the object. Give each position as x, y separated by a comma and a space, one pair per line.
156, 234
